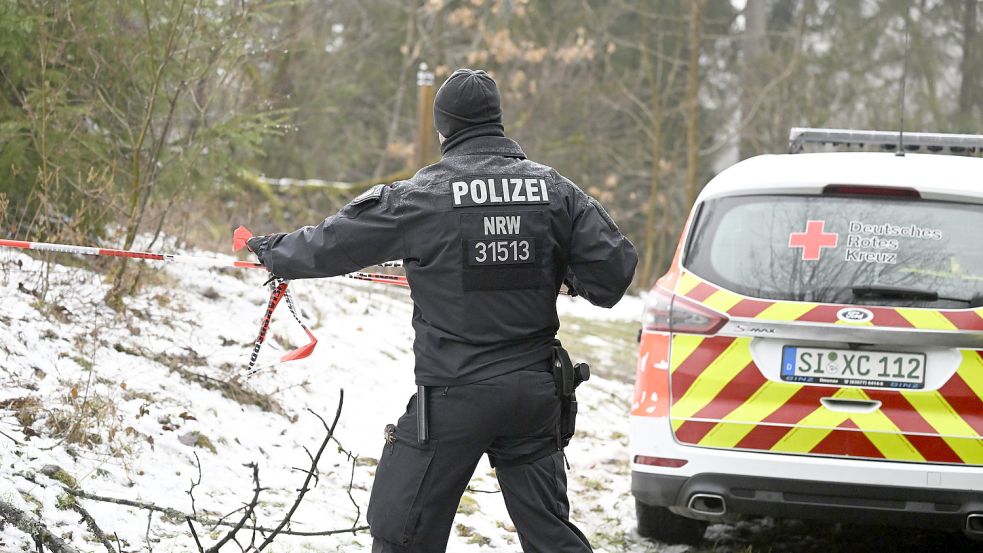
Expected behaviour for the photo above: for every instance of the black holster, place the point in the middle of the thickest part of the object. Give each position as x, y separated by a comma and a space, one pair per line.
566, 377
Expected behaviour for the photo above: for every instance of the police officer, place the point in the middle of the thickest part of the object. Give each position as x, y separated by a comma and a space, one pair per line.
486, 237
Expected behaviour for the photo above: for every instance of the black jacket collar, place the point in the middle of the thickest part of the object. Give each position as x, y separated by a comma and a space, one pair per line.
486, 145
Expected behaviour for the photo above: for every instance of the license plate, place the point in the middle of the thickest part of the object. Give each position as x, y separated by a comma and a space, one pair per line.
865, 369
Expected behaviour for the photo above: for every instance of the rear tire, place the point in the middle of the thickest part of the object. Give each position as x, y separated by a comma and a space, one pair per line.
659, 523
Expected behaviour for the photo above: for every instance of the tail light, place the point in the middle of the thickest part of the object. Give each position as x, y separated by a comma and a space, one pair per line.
859, 190
667, 312
660, 461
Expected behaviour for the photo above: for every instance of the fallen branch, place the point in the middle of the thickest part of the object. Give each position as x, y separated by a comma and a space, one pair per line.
93, 527
13, 439
24, 522
175, 513
248, 520
249, 509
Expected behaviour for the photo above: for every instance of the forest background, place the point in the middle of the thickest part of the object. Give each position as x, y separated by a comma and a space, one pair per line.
127, 118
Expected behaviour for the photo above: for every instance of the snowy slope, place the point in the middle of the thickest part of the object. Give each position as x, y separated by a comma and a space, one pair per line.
146, 379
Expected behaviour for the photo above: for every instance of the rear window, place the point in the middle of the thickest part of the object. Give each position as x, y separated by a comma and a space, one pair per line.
855, 250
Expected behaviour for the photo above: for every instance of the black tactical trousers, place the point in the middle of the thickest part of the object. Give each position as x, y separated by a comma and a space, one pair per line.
511, 417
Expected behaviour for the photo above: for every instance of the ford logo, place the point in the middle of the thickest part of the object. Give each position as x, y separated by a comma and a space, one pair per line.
854, 315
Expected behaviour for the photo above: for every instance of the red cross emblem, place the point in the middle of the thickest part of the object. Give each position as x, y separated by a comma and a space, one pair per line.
813, 240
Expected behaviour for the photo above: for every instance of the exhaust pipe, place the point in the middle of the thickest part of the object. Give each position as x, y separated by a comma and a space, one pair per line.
974, 524
711, 504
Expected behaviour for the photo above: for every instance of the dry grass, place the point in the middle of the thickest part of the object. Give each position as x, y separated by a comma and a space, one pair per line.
232, 388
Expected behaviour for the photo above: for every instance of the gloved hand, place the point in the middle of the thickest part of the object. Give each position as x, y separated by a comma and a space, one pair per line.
256, 242
257, 245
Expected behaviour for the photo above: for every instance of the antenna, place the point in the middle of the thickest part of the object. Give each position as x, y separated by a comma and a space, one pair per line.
904, 78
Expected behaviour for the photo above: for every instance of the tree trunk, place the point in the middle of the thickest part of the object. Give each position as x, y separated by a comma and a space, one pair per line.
969, 70
754, 47
406, 71
653, 203
693, 103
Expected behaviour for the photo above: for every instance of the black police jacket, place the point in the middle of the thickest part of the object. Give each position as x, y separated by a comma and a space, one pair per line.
486, 237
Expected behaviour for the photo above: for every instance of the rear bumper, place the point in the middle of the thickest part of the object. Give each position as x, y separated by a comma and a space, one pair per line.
782, 497
810, 487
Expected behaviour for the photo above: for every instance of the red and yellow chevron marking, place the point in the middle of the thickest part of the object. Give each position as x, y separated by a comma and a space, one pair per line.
736, 305
721, 399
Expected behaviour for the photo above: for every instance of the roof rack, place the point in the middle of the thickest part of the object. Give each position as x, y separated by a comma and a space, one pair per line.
886, 140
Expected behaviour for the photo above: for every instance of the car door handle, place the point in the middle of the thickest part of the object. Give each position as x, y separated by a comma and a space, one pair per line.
841, 405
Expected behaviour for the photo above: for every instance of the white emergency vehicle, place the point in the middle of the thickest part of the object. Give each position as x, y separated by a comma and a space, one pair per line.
816, 349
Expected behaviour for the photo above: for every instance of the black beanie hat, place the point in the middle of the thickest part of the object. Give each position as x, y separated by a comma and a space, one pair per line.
466, 99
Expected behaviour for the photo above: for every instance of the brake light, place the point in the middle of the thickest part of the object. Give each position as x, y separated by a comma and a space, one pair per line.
667, 312
856, 190
658, 307
660, 461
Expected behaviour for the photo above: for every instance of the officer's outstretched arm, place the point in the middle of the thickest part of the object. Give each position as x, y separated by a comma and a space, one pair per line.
602, 260
363, 233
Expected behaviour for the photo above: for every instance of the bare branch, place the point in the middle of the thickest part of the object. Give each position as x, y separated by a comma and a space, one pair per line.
304, 489
268, 535
150, 519
351, 480
248, 519
93, 526
194, 534
5, 435
194, 484
221, 520
252, 537
250, 507
201, 519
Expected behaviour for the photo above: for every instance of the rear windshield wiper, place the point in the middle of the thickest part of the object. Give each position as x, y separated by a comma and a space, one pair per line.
909, 293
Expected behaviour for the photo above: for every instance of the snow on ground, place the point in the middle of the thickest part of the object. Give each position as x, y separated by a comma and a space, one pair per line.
124, 404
